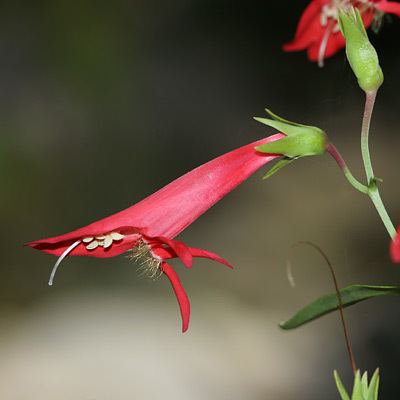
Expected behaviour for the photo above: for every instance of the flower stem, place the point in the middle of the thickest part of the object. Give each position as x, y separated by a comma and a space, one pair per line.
373, 191
334, 152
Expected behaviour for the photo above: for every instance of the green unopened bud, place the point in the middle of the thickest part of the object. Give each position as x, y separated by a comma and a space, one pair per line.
300, 141
361, 54
362, 390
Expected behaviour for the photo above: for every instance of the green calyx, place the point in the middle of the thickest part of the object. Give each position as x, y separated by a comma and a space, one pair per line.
361, 54
362, 390
300, 141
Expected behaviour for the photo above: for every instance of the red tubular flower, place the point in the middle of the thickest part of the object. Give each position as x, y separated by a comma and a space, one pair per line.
395, 247
148, 228
318, 31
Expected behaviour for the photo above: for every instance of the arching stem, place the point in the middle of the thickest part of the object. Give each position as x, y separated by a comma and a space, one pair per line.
334, 152
373, 188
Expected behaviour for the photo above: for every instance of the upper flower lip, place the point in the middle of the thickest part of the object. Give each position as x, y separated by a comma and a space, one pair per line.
171, 209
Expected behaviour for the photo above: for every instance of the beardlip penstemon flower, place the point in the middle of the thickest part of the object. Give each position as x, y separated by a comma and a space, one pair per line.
146, 231
318, 30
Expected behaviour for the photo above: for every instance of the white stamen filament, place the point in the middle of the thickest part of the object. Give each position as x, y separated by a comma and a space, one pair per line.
322, 47
63, 255
90, 243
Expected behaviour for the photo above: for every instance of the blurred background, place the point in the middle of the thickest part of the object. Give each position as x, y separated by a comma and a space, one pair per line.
104, 103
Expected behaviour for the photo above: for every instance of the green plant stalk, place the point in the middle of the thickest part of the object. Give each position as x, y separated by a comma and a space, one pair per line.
373, 191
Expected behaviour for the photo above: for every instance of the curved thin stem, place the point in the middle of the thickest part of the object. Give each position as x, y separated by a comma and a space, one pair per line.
340, 301
334, 152
373, 188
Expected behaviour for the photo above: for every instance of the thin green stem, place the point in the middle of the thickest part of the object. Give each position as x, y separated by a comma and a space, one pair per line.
334, 152
378, 203
373, 191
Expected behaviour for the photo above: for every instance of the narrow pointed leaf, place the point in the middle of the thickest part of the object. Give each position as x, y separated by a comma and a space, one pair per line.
278, 166
357, 388
364, 385
340, 387
328, 303
374, 386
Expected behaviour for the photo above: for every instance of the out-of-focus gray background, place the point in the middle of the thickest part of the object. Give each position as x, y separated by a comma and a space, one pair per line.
102, 104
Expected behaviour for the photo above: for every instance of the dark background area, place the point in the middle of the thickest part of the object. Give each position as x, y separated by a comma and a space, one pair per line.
104, 103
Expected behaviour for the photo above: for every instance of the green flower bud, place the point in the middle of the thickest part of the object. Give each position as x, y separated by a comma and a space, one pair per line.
361, 54
300, 140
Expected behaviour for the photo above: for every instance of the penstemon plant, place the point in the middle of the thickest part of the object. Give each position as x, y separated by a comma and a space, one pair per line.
147, 231
343, 24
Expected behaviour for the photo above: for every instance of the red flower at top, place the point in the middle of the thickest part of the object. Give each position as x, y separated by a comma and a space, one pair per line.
148, 228
318, 30
395, 247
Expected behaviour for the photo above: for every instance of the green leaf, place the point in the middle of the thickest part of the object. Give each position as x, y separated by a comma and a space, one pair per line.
361, 389
357, 388
374, 386
340, 387
364, 385
279, 165
328, 303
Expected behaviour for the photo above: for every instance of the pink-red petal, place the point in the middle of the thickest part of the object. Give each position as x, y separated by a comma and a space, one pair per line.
210, 255
180, 293
180, 249
168, 253
309, 29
